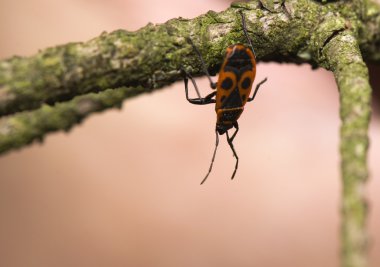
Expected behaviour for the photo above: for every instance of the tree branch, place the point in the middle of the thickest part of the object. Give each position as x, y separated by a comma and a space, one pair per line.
25, 127
369, 31
152, 56
334, 35
351, 74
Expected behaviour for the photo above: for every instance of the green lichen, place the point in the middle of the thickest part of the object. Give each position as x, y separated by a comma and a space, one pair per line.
335, 35
25, 127
123, 58
343, 57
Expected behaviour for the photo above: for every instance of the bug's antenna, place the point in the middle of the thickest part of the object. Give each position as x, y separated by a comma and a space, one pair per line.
245, 31
212, 84
213, 157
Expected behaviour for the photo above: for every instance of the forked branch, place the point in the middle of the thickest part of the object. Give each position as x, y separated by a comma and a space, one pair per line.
60, 86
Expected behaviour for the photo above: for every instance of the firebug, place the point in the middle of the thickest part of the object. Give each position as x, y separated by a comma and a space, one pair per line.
232, 90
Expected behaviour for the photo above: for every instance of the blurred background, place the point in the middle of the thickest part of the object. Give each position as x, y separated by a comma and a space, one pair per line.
122, 189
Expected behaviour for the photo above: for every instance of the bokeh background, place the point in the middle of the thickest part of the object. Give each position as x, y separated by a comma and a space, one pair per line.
122, 189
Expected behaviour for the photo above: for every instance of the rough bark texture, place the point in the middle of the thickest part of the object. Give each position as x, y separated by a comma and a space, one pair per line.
25, 127
335, 35
351, 74
152, 56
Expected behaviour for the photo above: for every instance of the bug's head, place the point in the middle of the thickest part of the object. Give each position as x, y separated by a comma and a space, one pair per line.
222, 128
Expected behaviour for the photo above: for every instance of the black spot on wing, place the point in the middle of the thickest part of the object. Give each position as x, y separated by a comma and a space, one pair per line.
227, 83
246, 83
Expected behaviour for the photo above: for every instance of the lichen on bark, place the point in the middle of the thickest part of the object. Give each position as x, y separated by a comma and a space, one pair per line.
60, 86
351, 74
25, 127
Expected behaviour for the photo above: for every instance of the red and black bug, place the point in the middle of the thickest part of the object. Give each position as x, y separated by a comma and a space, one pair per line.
233, 88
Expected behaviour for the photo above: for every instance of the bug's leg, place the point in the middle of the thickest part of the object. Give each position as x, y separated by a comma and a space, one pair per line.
256, 90
229, 141
186, 80
197, 101
213, 157
236, 125
209, 97
212, 84
245, 31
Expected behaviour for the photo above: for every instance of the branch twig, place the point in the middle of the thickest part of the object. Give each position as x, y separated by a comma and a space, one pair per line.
351, 74
333, 36
25, 127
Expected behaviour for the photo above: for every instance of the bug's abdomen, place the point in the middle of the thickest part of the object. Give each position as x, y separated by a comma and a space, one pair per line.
228, 116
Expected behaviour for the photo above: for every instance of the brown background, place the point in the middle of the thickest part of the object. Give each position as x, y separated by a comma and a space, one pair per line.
123, 188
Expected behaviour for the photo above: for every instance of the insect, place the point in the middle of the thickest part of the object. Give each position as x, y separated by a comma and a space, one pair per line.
233, 88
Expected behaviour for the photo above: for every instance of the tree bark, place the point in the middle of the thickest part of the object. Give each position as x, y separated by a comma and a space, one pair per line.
58, 87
